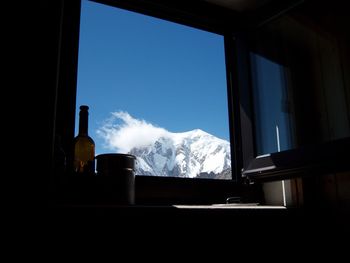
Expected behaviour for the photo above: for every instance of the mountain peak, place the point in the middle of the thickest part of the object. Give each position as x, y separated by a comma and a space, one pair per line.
191, 134
200, 132
195, 153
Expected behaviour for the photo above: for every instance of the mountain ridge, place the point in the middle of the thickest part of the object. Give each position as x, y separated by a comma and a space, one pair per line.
193, 154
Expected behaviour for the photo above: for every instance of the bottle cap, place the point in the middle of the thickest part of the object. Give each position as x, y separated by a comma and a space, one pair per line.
84, 107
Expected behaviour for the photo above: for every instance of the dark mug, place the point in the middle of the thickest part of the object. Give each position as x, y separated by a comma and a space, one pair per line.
117, 171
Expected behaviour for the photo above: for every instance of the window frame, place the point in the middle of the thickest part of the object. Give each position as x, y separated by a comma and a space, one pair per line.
219, 22
235, 29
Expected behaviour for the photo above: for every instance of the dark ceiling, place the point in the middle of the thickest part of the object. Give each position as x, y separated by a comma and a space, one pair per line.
239, 5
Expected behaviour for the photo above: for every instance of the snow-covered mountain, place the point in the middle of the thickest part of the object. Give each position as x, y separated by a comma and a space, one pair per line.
188, 154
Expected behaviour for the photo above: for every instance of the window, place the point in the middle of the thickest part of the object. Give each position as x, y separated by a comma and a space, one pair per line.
149, 189
300, 93
157, 90
306, 105
272, 113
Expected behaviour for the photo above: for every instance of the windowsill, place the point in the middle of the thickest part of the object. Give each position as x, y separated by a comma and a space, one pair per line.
229, 206
187, 220
240, 206
153, 191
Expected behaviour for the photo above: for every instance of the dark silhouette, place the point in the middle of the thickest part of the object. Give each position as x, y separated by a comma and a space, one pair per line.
321, 202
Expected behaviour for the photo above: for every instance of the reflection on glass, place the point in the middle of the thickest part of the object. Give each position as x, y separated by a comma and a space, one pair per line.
271, 104
300, 89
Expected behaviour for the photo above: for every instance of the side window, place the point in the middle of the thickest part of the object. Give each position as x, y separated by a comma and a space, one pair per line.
272, 106
155, 89
300, 93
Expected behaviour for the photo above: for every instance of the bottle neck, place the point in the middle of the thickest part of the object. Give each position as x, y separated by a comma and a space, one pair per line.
83, 123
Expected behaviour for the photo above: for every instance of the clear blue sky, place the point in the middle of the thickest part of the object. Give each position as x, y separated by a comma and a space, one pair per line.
170, 75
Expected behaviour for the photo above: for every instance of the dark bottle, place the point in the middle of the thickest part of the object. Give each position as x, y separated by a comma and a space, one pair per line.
84, 146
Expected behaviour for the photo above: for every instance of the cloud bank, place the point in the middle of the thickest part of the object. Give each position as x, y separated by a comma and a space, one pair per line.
122, 132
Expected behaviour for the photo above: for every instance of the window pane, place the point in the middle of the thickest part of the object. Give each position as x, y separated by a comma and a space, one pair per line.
271, 104
299, 86
155, 89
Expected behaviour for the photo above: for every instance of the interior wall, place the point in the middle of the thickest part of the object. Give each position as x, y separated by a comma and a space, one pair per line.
283, 193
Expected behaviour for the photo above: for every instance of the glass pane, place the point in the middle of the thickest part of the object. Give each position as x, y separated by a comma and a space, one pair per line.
155, 89
271, 105
300, 90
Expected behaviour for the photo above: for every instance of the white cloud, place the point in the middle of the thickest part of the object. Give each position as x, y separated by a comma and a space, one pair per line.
122, 132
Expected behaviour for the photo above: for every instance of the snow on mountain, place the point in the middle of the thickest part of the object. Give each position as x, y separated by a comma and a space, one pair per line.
188, 154
161, 152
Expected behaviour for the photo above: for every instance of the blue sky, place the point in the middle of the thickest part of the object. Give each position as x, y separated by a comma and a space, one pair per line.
170, 75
